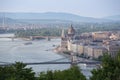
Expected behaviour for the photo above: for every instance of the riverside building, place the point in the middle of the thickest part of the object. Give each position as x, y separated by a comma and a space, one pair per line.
91, 45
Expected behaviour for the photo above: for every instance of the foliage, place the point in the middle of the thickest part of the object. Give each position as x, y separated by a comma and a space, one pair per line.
16, 72
70, 74
52, 30
110, 69
19, 71
39, 32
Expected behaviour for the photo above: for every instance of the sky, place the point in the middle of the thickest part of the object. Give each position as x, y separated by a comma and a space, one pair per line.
88, 8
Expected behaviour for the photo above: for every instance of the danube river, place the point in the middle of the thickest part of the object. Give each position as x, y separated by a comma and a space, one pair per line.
38, 51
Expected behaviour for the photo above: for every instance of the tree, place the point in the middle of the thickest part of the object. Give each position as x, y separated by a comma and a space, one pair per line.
16, 71
19, 71
70, 74
110, 69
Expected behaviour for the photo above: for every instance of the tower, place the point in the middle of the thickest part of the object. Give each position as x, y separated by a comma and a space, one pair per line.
63, 41
71, 33
65, 38
63, 34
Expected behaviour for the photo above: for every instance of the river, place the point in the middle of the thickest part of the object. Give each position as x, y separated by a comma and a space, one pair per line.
38, 51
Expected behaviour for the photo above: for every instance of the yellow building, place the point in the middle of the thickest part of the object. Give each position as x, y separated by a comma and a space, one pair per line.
80, 49
76, 47
69, 45
99, 51
90, 51
94, 51
100, 35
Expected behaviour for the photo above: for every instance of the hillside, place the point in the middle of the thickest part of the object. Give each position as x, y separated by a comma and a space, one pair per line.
52, 16
8, 20
115, 17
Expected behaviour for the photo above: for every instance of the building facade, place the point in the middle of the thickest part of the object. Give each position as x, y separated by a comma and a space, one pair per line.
67, 38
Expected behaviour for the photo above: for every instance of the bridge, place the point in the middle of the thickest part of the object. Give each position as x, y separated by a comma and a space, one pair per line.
74, 61
46, 63
7, 37
42, 37
11, 37
31, 37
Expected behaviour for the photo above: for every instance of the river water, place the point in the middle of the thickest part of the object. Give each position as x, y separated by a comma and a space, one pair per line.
38, 51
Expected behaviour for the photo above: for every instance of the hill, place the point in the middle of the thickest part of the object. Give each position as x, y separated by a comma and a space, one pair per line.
8, 20
115, 17
52, 16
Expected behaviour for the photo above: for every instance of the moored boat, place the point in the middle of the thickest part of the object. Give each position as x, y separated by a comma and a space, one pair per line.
28, 43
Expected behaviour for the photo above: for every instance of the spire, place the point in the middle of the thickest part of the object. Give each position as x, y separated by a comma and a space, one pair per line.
71, 30
63, 33
71, 26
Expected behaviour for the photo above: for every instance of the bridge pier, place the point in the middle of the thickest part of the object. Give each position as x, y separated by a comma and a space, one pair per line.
12, 38
74, 60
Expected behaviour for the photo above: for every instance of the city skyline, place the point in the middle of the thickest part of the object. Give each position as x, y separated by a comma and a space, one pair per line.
88, 8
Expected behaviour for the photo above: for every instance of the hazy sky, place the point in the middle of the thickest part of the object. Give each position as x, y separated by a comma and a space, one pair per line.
90, 8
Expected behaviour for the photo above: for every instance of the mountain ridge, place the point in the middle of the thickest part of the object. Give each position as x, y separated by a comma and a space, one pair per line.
114, 17
53, 16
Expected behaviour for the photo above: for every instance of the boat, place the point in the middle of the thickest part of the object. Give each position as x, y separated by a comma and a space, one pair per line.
53, 45
28, 43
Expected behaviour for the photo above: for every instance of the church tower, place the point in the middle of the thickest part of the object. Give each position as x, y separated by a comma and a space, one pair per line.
63, 41
71, 33
63, 34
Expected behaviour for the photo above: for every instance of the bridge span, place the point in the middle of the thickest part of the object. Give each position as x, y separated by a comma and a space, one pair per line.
46, 63
74, 61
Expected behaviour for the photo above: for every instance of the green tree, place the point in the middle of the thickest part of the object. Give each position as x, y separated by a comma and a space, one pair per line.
19, 71
16, 71
110, 69
70, 74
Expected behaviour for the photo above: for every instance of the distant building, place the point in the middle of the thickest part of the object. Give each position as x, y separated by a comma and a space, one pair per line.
113, 47
71, 33
63, 41
81, 49
69, 45
100, 35
77, 47
66, 38
85, 50
115, 36
94, 51
91, 45
98, 51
